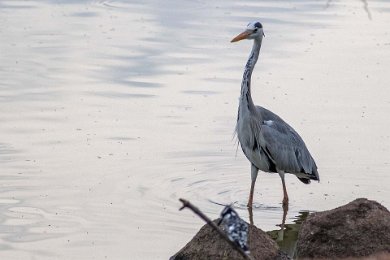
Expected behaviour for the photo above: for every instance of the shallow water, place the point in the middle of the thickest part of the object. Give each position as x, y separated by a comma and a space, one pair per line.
112, 110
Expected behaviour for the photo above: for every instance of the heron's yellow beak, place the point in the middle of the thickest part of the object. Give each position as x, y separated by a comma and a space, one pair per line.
241, 36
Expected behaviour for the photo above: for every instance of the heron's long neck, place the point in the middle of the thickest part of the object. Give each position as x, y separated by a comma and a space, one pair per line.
246, 97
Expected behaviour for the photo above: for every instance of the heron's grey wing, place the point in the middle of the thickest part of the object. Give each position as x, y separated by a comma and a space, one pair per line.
286, 149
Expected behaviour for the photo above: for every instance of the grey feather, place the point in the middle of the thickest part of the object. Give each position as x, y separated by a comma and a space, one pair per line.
276, 140
286, 148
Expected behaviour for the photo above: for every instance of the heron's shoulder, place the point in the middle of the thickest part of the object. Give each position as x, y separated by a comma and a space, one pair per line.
267, 115
273, 120
275, 125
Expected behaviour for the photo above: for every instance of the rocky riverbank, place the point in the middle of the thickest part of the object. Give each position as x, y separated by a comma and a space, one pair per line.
357, 230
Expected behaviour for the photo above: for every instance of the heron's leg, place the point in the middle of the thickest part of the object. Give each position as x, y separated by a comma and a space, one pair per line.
254, 172
285, 195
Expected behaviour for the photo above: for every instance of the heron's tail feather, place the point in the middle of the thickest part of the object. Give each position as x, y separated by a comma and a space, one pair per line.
304, 180
310, 176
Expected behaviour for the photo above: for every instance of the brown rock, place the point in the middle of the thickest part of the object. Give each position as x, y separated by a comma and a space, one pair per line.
207, 244
357, 230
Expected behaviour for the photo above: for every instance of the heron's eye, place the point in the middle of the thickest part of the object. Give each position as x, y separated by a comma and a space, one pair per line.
255, 30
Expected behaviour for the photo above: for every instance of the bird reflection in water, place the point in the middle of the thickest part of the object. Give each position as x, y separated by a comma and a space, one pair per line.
287, 235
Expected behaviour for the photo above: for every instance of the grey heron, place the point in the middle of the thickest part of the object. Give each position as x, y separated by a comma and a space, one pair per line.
269, 143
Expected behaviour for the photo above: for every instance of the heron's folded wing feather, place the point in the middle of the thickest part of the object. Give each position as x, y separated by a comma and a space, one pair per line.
285, 147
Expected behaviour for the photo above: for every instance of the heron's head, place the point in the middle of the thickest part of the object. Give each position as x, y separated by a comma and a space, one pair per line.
254, 30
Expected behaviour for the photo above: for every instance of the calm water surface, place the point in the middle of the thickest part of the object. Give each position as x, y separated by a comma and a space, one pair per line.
112, 110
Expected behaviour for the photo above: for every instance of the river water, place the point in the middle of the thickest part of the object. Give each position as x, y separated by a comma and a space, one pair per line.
113, 110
